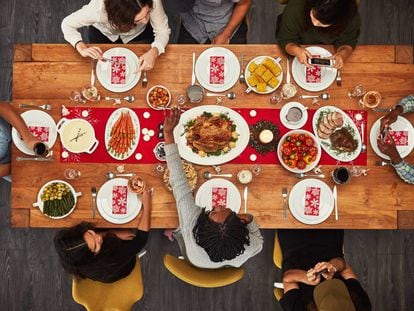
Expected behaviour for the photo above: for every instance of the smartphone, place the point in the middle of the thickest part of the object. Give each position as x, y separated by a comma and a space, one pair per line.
320, 272
384, 133
321, 62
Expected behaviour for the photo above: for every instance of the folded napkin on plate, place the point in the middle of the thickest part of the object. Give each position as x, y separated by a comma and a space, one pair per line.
312, 201
400, 137
118, 70
313, 74
216, 69
119, 199
40, 132
218, 197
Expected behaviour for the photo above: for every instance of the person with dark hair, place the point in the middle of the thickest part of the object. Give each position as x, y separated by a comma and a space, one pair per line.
215, 21
8, 118
334, 22
312, 258
120, 21
207, 239
387, 144
103, 255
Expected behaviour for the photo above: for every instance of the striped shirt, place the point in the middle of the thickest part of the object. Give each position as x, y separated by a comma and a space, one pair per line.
404, 169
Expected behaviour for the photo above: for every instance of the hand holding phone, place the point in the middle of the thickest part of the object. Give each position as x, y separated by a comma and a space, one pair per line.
322, 62
320, 272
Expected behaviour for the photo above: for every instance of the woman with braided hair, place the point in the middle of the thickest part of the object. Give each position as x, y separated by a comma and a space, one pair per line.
207, 239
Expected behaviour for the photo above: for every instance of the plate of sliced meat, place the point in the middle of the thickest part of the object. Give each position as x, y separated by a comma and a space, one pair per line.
337, 133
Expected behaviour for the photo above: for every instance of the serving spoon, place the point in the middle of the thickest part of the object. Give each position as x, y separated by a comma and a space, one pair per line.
208, 175
324, 96
111, 175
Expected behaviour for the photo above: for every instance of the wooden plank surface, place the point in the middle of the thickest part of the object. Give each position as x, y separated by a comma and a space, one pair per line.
363, 203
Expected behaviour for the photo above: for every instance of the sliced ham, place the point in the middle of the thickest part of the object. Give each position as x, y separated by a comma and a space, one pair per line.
338, 118
330, 120
324, 129
327, 124
323, 135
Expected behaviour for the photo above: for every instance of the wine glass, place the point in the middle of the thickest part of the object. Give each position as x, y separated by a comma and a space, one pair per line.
71, 174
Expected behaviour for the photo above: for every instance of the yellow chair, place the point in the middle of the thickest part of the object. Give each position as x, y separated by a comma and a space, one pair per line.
117, 296
207, 278
278, 292
277, 252
277, 259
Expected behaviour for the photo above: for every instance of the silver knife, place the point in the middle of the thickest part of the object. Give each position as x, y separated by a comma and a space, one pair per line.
335, 195
33, 159
245, 198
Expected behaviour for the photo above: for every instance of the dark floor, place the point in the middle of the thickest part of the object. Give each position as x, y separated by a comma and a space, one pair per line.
30, 276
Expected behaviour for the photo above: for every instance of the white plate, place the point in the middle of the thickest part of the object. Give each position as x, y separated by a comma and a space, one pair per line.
103, 70
402, 124
231, 69
297, 201
203, 196
284, 112
104, 202
326, 143
39, 202
111, 121
258, 60
328, 74
35, 118
185, 151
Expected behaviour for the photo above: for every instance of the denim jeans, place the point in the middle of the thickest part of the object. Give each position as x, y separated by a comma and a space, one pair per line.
5, 142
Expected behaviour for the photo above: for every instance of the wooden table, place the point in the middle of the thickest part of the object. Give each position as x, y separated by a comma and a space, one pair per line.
47, 73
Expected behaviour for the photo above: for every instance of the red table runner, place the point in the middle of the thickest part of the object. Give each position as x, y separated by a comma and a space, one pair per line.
151, 119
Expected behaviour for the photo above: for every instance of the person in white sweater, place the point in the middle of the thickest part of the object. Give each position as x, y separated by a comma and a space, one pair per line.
207, 239
119, 21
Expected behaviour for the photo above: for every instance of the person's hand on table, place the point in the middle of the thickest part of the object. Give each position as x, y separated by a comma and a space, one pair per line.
171, 119
221, 38
93, 51
390, 117
339, 61
147, 60
302, 55
387, 147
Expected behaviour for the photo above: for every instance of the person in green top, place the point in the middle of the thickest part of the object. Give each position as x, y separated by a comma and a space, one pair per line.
334, 22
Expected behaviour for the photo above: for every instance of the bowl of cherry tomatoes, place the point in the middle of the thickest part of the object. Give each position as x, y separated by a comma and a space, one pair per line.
158, 97
299, 151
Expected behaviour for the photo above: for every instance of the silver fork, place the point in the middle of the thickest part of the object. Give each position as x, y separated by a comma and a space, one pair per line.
284, 195
338, 79
144, 79
241, 77
44, 107
93, 190
382, 109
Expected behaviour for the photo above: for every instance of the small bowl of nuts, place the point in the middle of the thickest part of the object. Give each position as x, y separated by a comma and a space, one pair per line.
158, 97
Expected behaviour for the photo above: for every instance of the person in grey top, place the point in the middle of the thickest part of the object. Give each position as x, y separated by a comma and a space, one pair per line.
387, 145
208, 239
215, 21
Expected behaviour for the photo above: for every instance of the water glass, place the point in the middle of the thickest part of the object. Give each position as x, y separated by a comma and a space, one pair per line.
276, 98
356, 91
71, 174
256, 169
181, 100
77, 97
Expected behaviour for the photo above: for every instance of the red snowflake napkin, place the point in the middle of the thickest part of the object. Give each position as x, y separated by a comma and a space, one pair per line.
218, 197
119, 199
40, 132
400, 137
216, 69
118, 70
313, 74
312, 201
